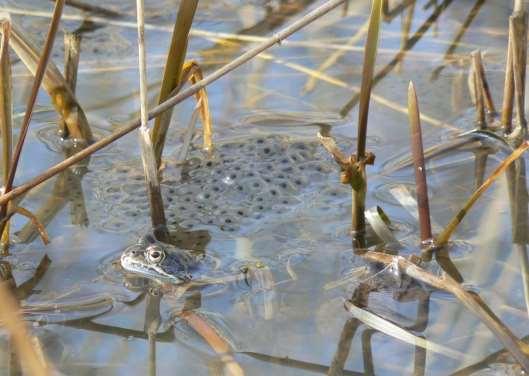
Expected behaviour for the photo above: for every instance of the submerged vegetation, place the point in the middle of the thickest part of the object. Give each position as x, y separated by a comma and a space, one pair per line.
247, 222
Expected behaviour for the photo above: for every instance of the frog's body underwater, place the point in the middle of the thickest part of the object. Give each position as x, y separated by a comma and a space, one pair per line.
247, 180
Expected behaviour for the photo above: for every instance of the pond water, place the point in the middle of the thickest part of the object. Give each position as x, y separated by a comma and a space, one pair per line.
287, 314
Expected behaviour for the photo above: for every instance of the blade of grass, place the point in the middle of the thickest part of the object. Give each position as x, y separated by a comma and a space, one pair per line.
173, 100
173, 72
444, 237
508, 87
147, 152
420, 169
6, 115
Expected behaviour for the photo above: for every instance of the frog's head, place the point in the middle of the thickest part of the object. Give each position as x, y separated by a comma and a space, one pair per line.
156, 260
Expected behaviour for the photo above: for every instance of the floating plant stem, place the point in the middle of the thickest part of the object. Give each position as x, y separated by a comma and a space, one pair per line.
39, 74
420, 169
173, 100
148, 159
518, 349
6, 115
173, 72
444, 237
359, 193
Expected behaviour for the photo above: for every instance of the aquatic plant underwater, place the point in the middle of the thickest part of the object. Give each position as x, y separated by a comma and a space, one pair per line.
234, 233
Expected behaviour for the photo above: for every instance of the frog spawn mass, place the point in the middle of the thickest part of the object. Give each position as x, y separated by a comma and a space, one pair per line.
245, 181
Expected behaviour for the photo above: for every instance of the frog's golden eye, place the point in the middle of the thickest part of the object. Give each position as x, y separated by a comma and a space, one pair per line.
155, 254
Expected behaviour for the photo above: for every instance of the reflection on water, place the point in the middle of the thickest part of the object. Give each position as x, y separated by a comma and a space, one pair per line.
284, 312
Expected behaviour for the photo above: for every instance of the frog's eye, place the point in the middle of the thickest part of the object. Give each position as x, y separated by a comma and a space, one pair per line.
155, 254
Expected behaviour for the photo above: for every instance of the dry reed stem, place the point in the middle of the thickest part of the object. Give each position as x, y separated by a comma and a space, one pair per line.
39, 74
519, 50
421, 184
443, 238
12, 320
55, 85
483, 82
215, 341
6, 116
173, 100
72, 50
478, 92
173, 72
192, 72
148, 158
26, 213
508, 88
472, 302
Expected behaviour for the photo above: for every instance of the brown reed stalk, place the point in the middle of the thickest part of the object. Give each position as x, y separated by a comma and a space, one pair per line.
173, 72
518, 349
11, 319
508, 88
215, 341
421, 184
72, 50
443, 238
483, 82
148, 158
173, 100
478, 93
6, 116
48, 45
55, 85
519, 54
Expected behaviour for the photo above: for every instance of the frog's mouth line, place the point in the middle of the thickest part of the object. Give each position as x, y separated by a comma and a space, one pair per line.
152, 271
